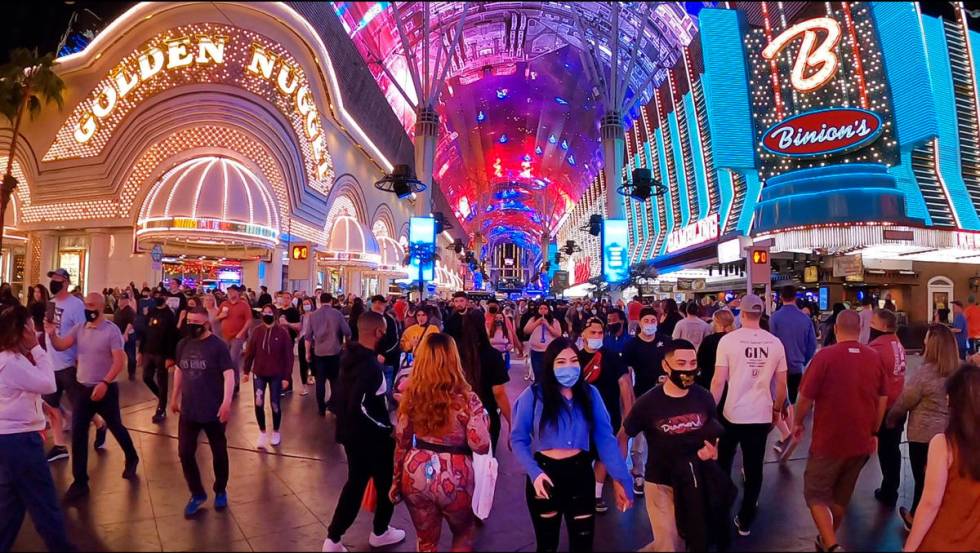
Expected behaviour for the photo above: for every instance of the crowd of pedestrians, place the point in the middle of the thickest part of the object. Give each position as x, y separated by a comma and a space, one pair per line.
621, 401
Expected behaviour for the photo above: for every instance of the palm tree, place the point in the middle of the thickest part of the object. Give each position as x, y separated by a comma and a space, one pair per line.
25, 81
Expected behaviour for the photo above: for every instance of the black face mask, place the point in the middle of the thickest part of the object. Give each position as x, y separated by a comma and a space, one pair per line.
683, 379
91, 315
268, 319
195, 330
875, 333
615, 327
56, 286
159, 301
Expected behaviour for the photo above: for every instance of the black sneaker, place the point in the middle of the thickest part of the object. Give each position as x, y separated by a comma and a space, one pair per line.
638, 485
886, 498
906, 517
100, 434
743, 529
130, 471
600, 505
76, 491
57, 452
159, 416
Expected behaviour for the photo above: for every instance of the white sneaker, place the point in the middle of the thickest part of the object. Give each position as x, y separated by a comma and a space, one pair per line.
304, 390
262, 442
329, 545
390, 537
276, 439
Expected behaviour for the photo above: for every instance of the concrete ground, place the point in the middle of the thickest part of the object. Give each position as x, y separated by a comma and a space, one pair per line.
283, 500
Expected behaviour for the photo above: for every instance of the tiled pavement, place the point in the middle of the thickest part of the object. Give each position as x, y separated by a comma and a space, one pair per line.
283, 501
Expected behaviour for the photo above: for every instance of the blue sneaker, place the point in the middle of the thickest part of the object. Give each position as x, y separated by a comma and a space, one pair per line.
221, 501
194, 505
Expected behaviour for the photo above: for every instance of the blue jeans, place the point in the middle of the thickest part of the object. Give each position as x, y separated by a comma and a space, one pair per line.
26, 487
389, 373
537, 360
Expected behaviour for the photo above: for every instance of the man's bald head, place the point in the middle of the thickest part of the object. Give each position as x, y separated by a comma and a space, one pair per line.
848, 326
371, 327
95, 301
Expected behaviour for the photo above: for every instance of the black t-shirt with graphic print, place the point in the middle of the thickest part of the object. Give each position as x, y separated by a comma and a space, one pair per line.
675, 428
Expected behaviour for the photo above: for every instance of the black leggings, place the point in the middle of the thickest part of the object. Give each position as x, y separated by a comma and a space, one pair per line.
304, 365
572, 497
918, 454
752, 438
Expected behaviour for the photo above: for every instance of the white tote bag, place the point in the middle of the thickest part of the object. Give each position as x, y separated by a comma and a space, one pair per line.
485, 477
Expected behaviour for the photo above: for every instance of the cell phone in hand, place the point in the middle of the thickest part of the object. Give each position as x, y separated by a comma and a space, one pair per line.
49, 312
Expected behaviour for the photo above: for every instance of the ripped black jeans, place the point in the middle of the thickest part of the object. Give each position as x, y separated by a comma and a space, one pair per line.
571, 498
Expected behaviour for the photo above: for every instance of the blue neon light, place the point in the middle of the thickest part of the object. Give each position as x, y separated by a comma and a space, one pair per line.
501, 93
564, 144
571, 160
481, 117
561, 100
552, 139
503, 138
615, 253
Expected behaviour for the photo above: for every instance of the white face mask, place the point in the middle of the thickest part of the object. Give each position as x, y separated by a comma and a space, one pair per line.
594, 343
649, 330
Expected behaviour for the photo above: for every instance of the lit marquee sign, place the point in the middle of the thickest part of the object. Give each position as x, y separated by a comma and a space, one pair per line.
823, 132
195, 55
698, 232
815, 63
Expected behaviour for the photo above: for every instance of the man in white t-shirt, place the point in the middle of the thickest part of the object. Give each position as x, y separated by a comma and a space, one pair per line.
752, 362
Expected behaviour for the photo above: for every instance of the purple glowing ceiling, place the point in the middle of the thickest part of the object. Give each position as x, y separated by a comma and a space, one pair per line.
520, 111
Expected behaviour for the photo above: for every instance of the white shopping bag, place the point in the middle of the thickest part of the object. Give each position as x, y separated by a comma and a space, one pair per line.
485, 476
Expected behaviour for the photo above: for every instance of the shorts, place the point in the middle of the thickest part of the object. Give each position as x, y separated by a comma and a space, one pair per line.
830, 480
64, 381
793, 384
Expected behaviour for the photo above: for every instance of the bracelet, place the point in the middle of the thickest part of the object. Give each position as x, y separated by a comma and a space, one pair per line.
106, 382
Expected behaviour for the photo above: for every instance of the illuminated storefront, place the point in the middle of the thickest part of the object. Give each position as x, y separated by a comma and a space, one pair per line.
211, 133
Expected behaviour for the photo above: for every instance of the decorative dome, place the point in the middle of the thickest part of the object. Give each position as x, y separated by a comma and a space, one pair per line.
350, 244
211, 200
392, 255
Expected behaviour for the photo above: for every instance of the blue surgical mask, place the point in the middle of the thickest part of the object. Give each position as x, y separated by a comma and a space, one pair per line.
594, 343
649, 330
567, 376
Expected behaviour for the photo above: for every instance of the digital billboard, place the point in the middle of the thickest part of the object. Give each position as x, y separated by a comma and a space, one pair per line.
422, 238
615, 257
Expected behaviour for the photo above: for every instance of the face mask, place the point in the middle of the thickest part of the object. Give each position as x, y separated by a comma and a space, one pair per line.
308, 306
579, 309
195, 330
567, 376
268, 319
682, 379
56, 286
91, 315
875, 333
649, 330
614, 328
160, 301
594, 343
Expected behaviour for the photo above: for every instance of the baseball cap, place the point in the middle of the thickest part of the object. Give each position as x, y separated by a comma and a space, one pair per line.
752, 303
63, 273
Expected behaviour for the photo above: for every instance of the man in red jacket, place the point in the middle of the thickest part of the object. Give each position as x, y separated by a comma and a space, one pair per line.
885, 342
269, 354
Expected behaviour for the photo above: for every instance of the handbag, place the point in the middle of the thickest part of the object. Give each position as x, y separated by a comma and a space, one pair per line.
370, 500
485, 483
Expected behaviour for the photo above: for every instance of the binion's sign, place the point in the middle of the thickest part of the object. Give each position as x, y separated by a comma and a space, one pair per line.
823, 132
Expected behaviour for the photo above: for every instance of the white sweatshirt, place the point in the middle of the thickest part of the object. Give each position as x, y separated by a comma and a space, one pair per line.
21, 385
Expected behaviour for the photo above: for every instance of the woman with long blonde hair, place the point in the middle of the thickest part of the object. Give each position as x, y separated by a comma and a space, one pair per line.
924, 400
441, 423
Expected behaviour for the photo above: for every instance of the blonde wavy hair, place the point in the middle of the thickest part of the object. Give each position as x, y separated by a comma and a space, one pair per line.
437, 377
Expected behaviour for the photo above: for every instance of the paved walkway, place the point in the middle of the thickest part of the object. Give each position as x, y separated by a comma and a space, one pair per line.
283, 501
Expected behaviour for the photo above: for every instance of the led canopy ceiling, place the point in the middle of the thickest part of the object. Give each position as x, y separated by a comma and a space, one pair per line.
521, 108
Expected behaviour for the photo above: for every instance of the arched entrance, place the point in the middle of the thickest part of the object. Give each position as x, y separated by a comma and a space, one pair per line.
940, 291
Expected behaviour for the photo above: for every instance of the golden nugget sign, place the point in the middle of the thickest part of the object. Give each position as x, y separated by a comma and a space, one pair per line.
195, 55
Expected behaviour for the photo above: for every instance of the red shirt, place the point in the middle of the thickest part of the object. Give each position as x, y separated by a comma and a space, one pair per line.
845, 382
633, 311
892, 355
401, 309
972, 314
239, 315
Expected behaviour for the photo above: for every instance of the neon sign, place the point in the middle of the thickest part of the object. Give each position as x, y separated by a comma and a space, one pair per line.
823, 132
820, 60
698, 232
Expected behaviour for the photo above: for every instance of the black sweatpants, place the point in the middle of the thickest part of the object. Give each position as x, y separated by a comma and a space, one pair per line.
156, 377
752, 438
571, 498
187, 433
918, 454
325, 369
372, 458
